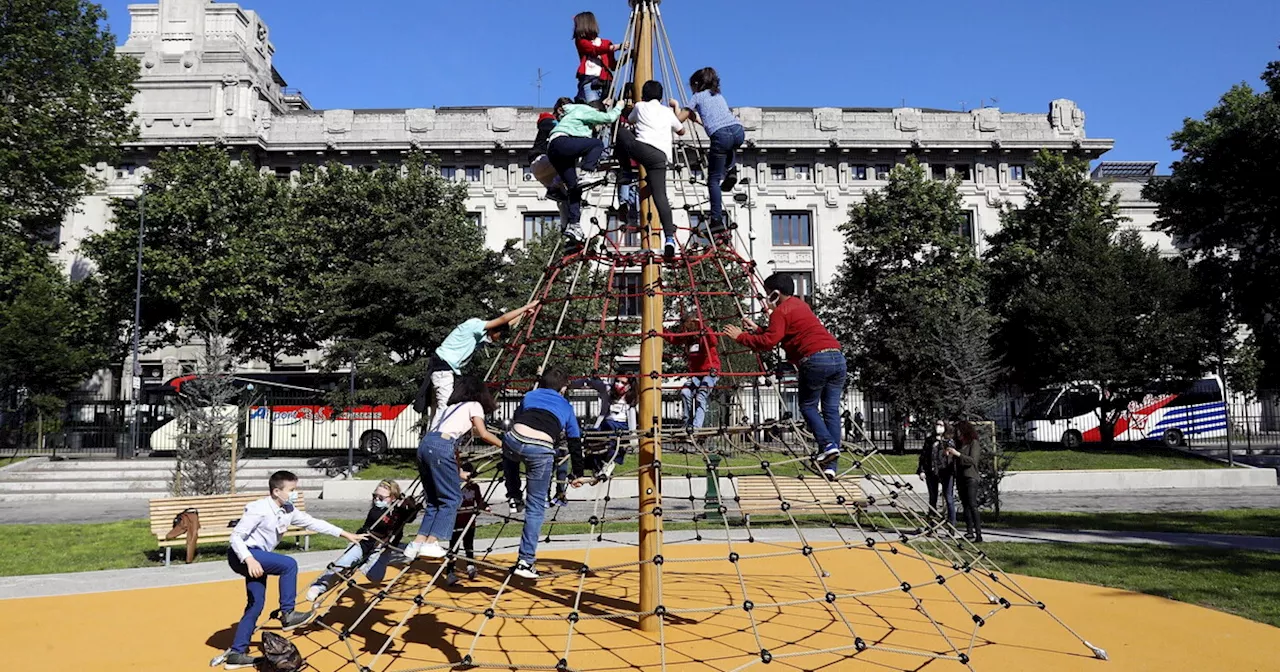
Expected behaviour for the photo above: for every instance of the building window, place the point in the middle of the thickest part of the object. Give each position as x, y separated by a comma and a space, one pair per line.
627, 293
963, 171
477, 220
859, 171
792, 229
622, 235
966, 228
938, 171
474, 174
538, 223
125, 171
803, 284
1017, 172
284, 173
698, 222
882, 171
449, 172
777, 172
804, 173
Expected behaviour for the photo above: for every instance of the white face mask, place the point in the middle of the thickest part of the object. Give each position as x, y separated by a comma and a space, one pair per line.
939, 429
293, 497
381, 503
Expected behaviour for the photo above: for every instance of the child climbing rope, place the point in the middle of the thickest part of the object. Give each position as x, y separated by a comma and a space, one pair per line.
654, 122
438, 464
384, 523
251, 555
703, 357
573, 139
543, 419
452, 356
596, 61
726, 133
815, 353
464, 527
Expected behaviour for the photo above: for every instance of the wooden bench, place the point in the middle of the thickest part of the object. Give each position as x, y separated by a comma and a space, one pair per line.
216, 514
760, 494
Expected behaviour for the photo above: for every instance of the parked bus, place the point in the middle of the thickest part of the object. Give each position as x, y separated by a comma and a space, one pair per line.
1169, 412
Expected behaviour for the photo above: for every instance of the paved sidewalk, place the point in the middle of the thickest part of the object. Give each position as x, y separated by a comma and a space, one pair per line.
1136, 501
46, 585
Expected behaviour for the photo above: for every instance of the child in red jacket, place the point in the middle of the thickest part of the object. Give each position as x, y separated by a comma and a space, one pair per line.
703, 357
595, 58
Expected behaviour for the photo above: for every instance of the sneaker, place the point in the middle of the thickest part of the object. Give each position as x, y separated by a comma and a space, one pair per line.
832, 451
669, 248
296, 619
471, 572
829, 473
515, 505
560, 500
238, 661
730, 180
590, 178
574, 234
525, 570
431, 549
314, 592
450, 581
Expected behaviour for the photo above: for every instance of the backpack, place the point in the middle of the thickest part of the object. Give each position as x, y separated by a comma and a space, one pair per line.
279, 655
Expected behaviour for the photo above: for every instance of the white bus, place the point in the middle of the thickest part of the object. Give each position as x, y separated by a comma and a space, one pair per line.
1169, 412
308, 428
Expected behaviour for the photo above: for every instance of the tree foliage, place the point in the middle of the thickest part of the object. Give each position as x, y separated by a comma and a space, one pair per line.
908, 281
63, 94
1222, 203
1079, 299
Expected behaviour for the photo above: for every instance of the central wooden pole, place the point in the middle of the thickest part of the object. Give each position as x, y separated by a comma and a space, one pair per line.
650, 412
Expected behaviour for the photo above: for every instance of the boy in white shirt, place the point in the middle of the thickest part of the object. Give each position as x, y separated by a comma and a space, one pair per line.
252, 544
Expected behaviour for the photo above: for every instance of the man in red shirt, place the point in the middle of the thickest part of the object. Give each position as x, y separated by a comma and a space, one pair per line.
815, 353
703, 358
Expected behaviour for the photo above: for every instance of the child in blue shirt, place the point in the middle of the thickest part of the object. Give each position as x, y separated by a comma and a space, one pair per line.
726, 133
543, 419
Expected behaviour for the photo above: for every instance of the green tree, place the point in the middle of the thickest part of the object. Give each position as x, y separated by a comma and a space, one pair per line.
908, 279
1078, 299
218, 240
1222, 204
63, 94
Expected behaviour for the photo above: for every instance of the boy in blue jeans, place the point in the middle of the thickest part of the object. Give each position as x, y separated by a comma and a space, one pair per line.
543, 419
252, 544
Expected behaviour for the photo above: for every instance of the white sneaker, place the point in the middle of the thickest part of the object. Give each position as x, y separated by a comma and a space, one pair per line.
525, 571
314, 592
829, 473
432, 549
590, 177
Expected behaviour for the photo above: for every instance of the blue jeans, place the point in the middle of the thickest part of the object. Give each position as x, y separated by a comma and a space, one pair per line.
539, 462
441, 485
695, 395
720, 159
590, 89
822, 379
374, 567
273, 564
564, 152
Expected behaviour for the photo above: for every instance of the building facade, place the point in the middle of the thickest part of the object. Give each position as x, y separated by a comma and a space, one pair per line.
207, 77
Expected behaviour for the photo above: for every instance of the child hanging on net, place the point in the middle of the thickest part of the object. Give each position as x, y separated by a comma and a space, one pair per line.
817, 357
726, 134
573, 138
596, 60
464, 527
384, 523
703, 357
653, 123
544, 419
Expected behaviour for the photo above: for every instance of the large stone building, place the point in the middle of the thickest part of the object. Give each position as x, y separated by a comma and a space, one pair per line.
207, 76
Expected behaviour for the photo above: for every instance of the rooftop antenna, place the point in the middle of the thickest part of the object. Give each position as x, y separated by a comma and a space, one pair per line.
538, 83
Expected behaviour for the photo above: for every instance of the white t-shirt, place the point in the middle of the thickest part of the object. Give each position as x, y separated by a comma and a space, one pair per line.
654, 124
456, 420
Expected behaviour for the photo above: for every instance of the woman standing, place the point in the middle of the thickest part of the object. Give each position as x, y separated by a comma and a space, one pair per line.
967, 460
938, 469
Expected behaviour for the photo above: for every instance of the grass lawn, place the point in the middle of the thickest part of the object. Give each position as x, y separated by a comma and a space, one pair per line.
1246, 583
6, 461
1256, 522
1123, 457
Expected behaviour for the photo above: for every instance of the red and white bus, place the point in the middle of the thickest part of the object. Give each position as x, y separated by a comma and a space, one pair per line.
1169, 412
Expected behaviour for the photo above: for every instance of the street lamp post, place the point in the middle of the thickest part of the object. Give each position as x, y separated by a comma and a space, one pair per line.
136, 378
745, 200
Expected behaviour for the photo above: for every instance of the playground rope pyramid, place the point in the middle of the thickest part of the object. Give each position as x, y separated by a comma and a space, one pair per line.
739, 562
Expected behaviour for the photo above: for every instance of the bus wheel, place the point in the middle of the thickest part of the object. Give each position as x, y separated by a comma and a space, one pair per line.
1172, 437
373, 443
1071, 439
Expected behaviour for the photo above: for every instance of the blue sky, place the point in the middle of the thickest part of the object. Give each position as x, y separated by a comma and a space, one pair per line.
1136, 67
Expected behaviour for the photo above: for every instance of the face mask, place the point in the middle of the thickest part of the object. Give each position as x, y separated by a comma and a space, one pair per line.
381, 503
939, 429
293, 497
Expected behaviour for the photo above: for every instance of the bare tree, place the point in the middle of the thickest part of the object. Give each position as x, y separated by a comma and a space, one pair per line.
209, 411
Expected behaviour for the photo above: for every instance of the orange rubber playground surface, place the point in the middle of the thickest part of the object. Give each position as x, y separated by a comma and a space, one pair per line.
173, 629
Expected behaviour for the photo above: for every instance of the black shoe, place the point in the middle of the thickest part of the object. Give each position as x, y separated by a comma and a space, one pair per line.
450, 581
977, 539
730, 180
238, 661
296, 619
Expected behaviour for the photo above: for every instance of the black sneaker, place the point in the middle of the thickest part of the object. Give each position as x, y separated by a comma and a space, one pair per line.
669, 249
450, 581
730, 180
238, 661
515, 506
296, 619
